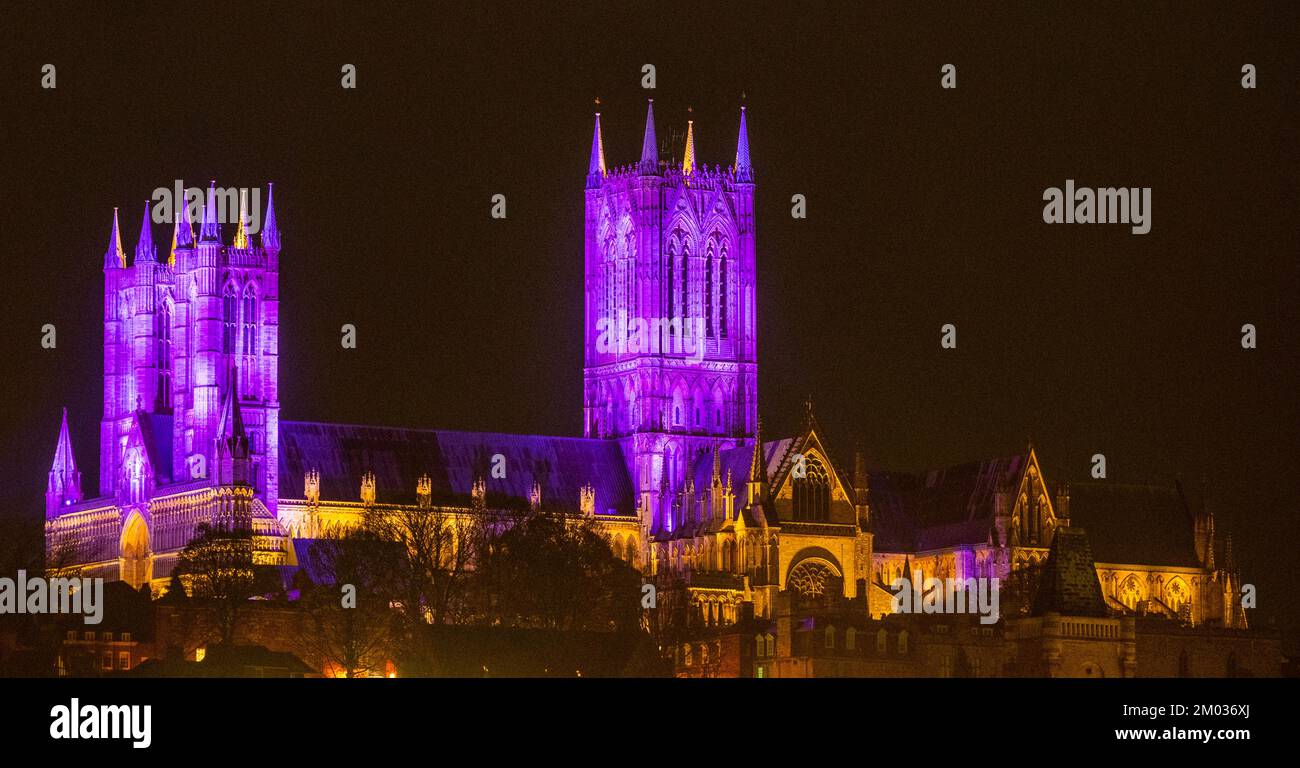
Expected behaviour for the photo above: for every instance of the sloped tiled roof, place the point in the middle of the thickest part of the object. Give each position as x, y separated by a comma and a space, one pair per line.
1133, 523
941, 507
453, 460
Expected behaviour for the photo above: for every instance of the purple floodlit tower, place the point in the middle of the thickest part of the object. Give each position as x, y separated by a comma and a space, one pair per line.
670, 353
176, 332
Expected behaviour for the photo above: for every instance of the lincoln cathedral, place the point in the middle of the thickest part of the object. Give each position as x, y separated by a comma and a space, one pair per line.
773, 557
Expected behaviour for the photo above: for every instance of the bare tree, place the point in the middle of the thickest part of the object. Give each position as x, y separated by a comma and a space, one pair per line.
219, 568
436, 548
348, 619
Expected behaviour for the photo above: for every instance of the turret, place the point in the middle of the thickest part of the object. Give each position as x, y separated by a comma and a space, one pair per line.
757, 485
1063, 504
424, 491
861, 487
368, 489
64, 484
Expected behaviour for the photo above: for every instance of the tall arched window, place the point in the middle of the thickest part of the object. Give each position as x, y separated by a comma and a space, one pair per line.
724, 294
229, 319
163, 355
685, 308
248, 340
812, 493
708, 293
672, 294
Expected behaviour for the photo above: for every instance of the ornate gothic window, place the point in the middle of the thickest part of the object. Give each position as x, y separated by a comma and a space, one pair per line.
708, 293
809, 579
229, 318
685, 307
163, 351
1176, 595
724, 295
812, 493
248, 340
1130, 592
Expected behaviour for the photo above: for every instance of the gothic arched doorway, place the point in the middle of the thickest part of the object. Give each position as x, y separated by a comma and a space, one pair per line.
136, 564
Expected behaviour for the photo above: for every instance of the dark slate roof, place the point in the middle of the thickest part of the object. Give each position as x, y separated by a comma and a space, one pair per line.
941, 507
1130, 523
453, 460
1068, 584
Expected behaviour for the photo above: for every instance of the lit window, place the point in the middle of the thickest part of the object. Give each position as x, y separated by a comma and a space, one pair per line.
126, 637
72, 634
123, 660
107, 661
89, 637
200, 653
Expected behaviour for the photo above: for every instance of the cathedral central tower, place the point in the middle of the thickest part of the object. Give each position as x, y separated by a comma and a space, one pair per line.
670, 354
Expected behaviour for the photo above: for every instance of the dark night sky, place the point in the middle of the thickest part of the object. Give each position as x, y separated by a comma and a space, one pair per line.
924, 208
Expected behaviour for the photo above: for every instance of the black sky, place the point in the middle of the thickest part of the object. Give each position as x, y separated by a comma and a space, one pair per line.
924, 209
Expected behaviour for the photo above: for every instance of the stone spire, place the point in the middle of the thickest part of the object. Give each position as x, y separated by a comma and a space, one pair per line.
744, 171
144, 247
183, 231
115, 257
241, 232
64, 485
596, 167
270, 230
688, 161
649, 147
211, 229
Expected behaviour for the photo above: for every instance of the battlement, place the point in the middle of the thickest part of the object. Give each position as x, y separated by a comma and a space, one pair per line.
711, 178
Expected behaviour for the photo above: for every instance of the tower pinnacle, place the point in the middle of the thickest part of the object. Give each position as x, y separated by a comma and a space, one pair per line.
744, 171
211, 230
115, 257
241, 232
144, 247
270, 230
688, 162
649, 147
596, 167
183, 230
